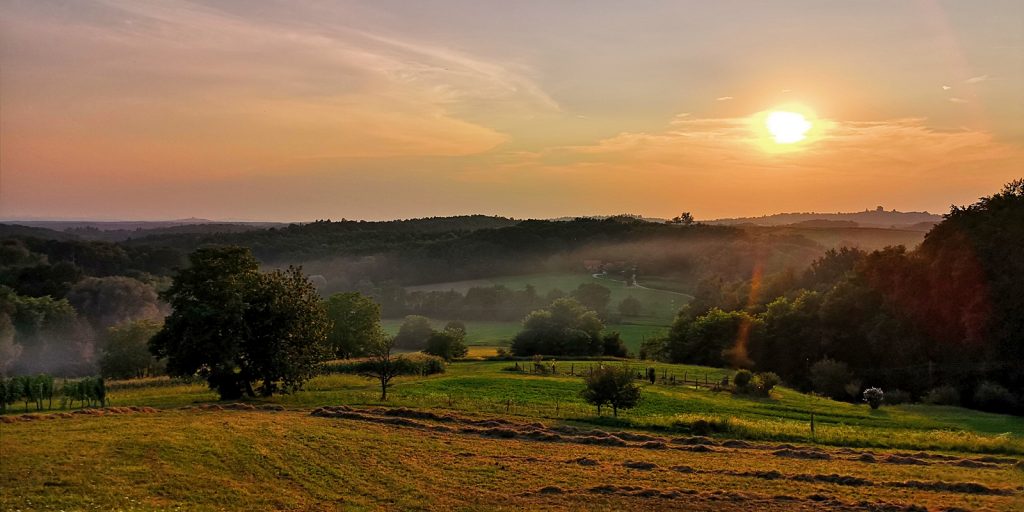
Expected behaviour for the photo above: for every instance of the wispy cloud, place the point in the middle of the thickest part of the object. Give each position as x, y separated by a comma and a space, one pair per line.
977, 79
724, 98
957, 100
189, 86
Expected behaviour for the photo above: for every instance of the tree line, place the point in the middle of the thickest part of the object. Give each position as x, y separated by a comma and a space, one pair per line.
942, 323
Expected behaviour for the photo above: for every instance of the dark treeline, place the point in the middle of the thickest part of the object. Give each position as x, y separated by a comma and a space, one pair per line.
943, 323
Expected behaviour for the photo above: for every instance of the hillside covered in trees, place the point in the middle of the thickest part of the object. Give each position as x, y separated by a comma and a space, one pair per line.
943, 322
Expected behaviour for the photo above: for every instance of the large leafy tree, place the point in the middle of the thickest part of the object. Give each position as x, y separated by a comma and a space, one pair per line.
564, 328
356, 320
238, 327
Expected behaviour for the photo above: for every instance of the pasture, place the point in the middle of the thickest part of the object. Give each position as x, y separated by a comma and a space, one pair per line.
481, 436
660, 306
485, 336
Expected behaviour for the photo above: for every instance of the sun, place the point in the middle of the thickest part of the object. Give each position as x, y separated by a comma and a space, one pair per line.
787, 127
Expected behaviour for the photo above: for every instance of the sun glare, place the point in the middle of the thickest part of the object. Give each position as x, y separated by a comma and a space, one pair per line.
787, 127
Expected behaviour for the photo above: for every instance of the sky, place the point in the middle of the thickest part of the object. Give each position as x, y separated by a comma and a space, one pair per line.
302, 110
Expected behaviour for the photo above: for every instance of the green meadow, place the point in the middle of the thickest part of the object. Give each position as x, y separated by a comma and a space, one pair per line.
489, 387
660, 303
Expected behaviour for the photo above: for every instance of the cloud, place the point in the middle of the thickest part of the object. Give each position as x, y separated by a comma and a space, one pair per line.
977, 79
724, 98
129, 88
946, 87
957, 100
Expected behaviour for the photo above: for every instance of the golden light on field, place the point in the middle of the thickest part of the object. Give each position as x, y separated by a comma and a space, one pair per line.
787, 127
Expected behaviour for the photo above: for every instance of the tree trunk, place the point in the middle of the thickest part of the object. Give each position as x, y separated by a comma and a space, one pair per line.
383, 390
615, 411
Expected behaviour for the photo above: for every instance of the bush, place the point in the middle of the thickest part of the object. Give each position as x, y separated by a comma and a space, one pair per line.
613, 346
992, 397
942, 395
874, 397
897, 396
765, 382
830, 378
742, 379
446, 345
614, 386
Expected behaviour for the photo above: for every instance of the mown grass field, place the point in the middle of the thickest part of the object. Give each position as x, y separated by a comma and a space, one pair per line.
188, 459
262, 460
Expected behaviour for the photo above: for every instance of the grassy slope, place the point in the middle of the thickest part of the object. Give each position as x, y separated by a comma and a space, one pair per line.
485, 387
258, 460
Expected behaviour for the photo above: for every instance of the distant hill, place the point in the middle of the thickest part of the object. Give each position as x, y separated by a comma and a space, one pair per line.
877, 218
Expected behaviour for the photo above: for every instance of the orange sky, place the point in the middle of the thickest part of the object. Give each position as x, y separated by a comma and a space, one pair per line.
303, 110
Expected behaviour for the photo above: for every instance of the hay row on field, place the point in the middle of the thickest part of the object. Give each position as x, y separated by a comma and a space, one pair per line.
750, 501
235, 406
105, 411
848, 480
504, 428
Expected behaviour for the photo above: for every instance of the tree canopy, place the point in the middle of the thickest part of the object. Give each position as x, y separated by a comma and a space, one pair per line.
236, 326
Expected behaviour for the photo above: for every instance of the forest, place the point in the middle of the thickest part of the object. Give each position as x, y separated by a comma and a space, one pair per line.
940, 322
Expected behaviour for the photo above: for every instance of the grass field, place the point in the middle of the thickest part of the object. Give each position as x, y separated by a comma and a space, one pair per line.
183, 458
487, 335
262, 460
486, 387
660, 307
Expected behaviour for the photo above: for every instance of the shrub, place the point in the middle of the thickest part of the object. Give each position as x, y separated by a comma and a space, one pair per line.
742, 379
992, 397
897, 396
874, 397
942, 395
766, 382
830, 378
613, 346
612, 386
446, 344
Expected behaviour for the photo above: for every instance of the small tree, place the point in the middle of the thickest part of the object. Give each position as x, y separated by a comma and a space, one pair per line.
874, 397
355, 322
742, 379
381, 365
830, 377
612, 386
414, 332
766, 382
446, 344
126, 353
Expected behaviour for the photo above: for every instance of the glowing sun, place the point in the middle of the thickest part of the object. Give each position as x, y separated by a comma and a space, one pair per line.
787, 127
